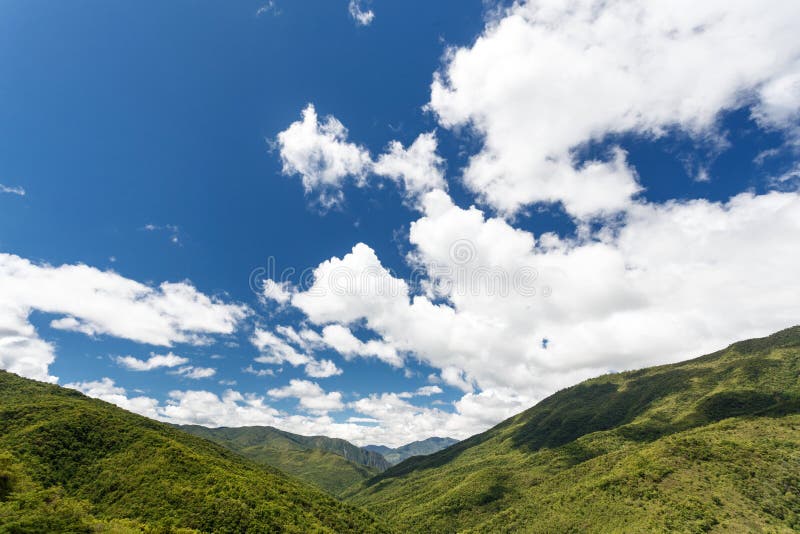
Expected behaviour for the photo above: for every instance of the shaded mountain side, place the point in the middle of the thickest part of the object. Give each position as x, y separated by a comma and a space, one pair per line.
416, 448
68, 461
710, 443
330, 463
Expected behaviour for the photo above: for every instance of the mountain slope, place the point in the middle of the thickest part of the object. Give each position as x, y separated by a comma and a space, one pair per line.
416, 448
66, 457
708, 444
330, 463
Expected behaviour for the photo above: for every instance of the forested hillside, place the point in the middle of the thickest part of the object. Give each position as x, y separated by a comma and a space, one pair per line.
710, 444
330, 463
69, 463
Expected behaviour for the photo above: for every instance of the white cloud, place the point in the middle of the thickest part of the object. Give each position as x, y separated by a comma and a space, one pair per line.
310, 395
276, 350
457, 378
95, 302
384, 418
546, 77
322, 369
258, 372
153, 362
427, 391
305, 338
195, 373
342, 340
280, 293
418, 168
424, 391
106, 390
362, 16
21, 349
789, 178
269, 7
171, 230
668, 282
320, 153
12, 190
206, 408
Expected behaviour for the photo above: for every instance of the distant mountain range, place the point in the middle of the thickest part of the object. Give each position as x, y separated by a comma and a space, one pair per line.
710, 444
417, 448
330, 463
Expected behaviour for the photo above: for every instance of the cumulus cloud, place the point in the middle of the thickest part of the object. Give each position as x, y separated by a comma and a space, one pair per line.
668, 282
310, 396
385, 418
95, 302
22, 351
106, 390
342, 340
427, 391
418, 167
277, 350
362, 16
206, 408
322, 369
547, 77
321, 154
278, 292
258, 372
153, 362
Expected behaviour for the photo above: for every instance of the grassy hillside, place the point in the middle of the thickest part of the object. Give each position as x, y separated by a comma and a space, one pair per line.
332, 464
416, 448
711, 444
68, 461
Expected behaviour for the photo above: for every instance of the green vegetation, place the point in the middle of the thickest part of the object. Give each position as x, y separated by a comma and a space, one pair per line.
711, 444
416, 448
73, 464
330, 463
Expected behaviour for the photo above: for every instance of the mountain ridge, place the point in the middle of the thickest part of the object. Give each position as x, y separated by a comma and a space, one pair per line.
634, 451
72, 463
415, 448
333, 464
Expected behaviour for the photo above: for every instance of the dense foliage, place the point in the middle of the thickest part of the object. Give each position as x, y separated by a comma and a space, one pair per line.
416, 448
330, 463
708, 444
73, 464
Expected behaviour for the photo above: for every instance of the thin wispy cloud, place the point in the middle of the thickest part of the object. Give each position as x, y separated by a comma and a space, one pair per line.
153, 362
363, 16
172, 230
12, 190
268, 8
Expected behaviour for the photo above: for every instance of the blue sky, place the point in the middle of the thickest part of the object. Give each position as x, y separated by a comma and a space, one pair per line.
146, 142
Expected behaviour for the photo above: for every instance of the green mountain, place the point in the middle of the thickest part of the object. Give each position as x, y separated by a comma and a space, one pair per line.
330, 463
417, 448
710, 444
69, 463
